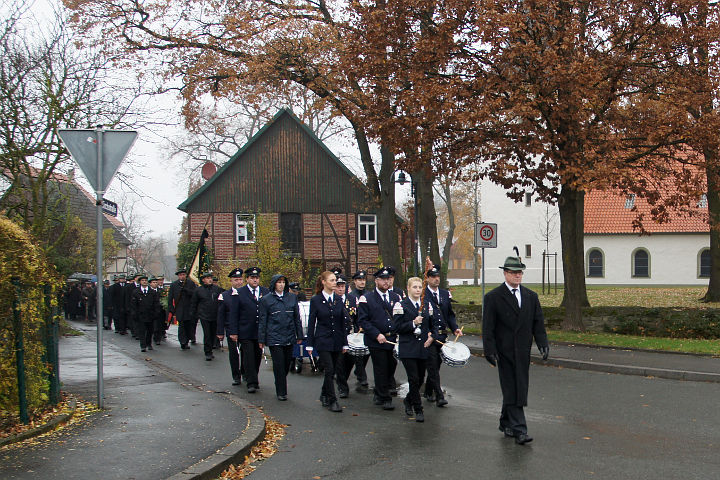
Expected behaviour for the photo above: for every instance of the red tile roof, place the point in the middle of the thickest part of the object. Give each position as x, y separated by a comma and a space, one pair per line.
608, 213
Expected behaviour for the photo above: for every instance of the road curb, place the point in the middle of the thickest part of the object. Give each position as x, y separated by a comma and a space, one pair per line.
54, 423
234, 453
620, 369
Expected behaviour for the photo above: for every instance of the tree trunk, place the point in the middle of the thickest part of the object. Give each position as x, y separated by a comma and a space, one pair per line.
427, 220
712, 170
571, 205
387, 218
450, 233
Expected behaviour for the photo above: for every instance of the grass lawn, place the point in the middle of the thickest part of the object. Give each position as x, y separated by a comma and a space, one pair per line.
663, 296
686, 345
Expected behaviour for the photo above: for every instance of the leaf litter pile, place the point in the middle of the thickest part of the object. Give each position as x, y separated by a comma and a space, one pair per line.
12, 426
274, 432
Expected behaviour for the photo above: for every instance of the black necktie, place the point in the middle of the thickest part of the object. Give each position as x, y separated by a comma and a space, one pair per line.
385, 298
417, 305
437, 300
516, 299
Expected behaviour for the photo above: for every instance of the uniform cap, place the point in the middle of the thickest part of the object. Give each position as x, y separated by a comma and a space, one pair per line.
236, 273
434, 271
384, 272
359, 274
252, 271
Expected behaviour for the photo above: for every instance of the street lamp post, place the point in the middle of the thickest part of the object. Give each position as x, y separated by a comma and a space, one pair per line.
402, 179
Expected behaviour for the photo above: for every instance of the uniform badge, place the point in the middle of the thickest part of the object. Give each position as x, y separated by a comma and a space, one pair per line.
362, 299
397, 309
220, 297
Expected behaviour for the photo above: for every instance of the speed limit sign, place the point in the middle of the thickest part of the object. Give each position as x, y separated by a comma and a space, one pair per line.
486, 235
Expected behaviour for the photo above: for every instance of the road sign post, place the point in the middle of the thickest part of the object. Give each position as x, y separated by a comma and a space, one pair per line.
485, 237
98, 153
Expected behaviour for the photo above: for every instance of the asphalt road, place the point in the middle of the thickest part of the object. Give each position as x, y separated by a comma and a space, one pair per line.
585, 425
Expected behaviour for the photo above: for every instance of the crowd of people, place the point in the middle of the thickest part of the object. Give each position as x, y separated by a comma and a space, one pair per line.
338, 330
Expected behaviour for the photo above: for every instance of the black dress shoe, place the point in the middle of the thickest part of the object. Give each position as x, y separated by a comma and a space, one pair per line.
236, 381
508, 432
252, 389
377, 401
408, 408
523, 438
419, 417
157, 343
441, 402
194, 342
208, 358
282, 398
184, 346
388, 405
393, 392
343, 394
335, 407
150, 347
430, 397
324, 400
143, 349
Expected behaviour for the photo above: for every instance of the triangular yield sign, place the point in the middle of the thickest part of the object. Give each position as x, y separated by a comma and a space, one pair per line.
83, 146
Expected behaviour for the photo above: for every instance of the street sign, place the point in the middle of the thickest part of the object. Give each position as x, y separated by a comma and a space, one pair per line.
83, 146
486, 235
109, 207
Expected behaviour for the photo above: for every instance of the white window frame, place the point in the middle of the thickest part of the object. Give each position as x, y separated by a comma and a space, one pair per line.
243, 220
366, 226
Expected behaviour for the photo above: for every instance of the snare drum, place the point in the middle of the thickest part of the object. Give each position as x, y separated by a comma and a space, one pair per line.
455, 354
396, 350
356, 344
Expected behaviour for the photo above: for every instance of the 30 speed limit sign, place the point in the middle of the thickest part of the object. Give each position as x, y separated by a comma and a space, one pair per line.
486, 235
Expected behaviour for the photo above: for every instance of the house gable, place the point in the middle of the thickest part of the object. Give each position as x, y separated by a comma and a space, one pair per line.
283, 168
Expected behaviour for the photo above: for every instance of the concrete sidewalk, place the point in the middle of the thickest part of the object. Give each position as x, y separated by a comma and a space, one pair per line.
155, 424
645, 363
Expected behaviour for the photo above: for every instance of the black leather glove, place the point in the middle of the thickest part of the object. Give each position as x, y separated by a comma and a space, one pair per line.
492, 359
544, 351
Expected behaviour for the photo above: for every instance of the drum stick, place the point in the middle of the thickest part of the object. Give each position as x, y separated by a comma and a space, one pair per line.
441, 343
456, 336
391, 343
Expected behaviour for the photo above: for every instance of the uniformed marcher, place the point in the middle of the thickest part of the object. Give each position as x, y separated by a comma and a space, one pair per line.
399, 291
280, 329
144, 307
243, 327
130, 286
512, 317
442, 316
160, 327
107, 306
375, 314
327, 333
179, 296
414, 338
346, 361
359, 281
204, 307
117, 298
88, 297
228, 306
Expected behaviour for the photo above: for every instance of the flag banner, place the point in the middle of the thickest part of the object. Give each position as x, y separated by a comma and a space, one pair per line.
198, 259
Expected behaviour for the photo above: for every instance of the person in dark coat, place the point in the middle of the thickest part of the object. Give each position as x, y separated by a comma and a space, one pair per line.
346, 360
414, 338
204, 307
359, 281
117, 299
279, 329
89, 298
73, 300
130, 286
327, 333
160, 325
179, 296
243, 327
107, 306
512, 317
144, 307
439, 307
375, 314
228, 306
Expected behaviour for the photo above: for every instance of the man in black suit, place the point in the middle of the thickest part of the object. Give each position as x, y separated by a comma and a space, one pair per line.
228, 307
442, 320
243, 327
512, 317
144, 308
179, 296
117, 299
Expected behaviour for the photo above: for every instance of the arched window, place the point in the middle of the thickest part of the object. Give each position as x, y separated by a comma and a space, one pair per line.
595, 263
641, 263
704, 263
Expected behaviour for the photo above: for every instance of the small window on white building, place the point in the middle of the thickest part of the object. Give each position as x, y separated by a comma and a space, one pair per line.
528, 250
641, 263
704, 263
367, 228
528, 199
244, 228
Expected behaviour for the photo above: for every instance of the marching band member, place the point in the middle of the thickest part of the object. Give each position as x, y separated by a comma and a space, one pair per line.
228, 306
375, 313
346, 361
413, 328
327, 332
359, 280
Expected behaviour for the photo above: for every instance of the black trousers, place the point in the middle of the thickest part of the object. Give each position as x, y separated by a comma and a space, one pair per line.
433, 371
361, 362
329, 361
251, 355
144, 333
193, 329
119, 321
234, 357
344, 369
383, 371
209, 335
186, 331
415, 369
159, 326
512, 416
282, 358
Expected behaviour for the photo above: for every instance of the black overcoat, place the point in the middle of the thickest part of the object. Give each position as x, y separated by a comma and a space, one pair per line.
508, 332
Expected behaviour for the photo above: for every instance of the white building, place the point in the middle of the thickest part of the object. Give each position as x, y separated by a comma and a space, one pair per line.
674, 253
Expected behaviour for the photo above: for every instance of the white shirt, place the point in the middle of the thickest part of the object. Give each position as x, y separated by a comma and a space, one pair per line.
328, 297
516, 293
